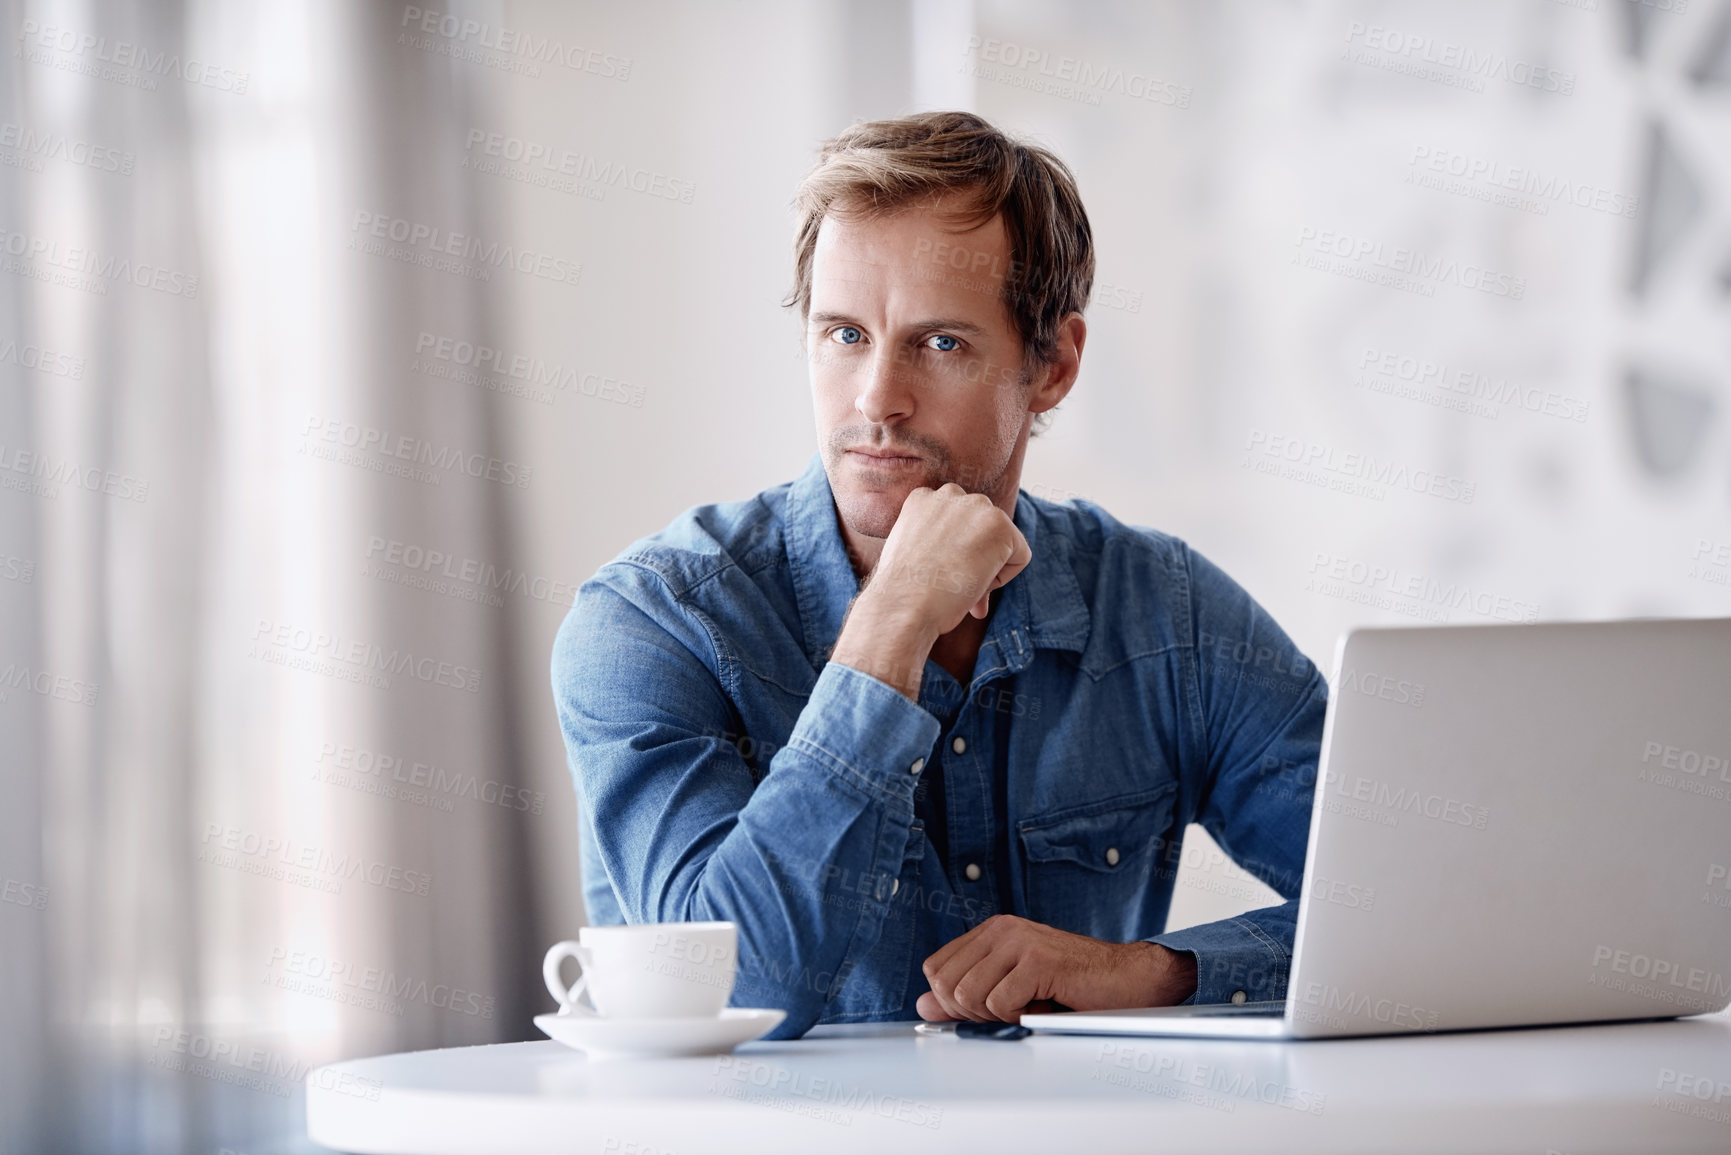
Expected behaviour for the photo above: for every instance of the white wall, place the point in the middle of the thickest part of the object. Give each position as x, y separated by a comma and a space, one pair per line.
1205, 332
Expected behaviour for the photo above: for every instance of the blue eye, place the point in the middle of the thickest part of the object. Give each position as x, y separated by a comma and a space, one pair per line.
943, 343
847, 335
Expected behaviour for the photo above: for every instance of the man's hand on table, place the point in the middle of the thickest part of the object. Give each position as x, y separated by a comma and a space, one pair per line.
996, 970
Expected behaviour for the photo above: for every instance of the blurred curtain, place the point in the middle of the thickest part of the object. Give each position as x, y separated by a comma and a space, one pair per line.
261, 805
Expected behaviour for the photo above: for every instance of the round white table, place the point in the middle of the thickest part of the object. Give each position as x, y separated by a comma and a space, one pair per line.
1641, 1087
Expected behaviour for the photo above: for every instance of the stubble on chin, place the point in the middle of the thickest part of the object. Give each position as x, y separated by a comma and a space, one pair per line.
868, 510
873, 512
867, 518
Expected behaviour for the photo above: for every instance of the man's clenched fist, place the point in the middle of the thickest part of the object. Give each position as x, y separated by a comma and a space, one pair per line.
948, 550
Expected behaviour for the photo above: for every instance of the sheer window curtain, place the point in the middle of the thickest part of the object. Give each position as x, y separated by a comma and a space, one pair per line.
283, 783
262, 802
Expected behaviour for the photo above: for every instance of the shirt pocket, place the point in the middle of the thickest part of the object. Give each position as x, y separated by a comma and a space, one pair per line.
1094, 869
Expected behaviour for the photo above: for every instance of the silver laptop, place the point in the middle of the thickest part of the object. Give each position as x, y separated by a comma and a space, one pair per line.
1513, 825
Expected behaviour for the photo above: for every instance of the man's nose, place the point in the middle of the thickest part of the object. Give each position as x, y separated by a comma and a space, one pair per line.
885, 390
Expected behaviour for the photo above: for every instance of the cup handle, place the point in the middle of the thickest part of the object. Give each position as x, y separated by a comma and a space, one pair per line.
566, 998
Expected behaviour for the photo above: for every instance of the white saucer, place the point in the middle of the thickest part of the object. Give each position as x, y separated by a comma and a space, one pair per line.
601, 1038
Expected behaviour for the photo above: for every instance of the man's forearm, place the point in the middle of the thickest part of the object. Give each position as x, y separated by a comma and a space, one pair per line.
885, 642
688, 833
1170, 975
948, 551
833, 813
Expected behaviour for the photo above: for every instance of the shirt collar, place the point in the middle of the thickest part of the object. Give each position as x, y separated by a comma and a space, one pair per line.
1041, 608
823, 578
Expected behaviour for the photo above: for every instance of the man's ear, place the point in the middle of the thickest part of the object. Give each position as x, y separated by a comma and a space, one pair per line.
1057, 377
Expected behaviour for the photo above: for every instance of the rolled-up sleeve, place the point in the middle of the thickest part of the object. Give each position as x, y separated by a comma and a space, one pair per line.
681, 827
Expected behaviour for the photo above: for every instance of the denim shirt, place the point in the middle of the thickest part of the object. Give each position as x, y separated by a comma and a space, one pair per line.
724, 769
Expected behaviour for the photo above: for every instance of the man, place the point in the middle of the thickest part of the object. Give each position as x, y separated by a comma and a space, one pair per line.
930, 742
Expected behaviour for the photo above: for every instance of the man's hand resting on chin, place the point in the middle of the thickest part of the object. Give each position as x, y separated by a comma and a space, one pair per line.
996, 970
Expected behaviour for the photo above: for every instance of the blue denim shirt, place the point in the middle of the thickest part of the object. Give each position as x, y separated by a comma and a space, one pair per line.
725, 770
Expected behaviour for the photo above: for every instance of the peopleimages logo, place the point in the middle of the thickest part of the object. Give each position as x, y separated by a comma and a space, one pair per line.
364, 440
434, 247
1686, 770
122, 61
1069, 76
303, 864
1711, 561
1428, 58
351, 659
1388, 586
509, 42
1355, 473
55, 146
1464, 387
1348, 894
478, 580
1234, 1086
225, 1061
1718, 878
46, 259
580, 168
393, 775
1514, 186
1401, 800
1327, 1004
321, 976
26, 894
1362, 258
1701, 1087
1688, 761
42, 360
473, 362
1660, 974
61, 686
1685, 761
824, 1099
47, 475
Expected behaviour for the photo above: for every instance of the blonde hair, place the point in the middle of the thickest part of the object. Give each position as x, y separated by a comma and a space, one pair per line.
880, 167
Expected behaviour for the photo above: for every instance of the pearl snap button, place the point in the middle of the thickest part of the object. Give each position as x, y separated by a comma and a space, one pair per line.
1239, 996
1111, 856
973, 872
919, 764
895, 885
960, 745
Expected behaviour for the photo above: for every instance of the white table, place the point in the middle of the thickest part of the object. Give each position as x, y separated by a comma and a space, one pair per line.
882, 1088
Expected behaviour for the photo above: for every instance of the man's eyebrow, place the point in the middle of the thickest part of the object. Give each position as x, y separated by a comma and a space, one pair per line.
954, 324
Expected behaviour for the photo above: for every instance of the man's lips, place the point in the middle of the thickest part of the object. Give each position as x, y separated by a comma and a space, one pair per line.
879, 455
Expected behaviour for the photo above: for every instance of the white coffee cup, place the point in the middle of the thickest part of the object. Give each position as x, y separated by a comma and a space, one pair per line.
665, 970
